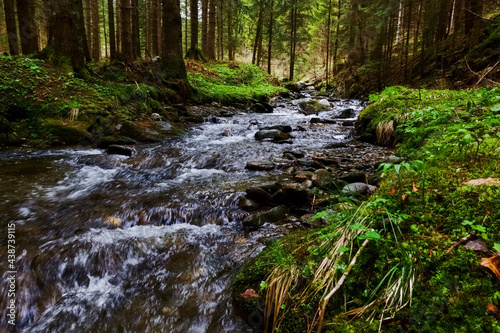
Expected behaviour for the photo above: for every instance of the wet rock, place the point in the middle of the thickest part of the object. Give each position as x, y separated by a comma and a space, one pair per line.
353, 177
309, 163
260, 165
308, 221
248, 204
258, 219
348, 123
356, 189
258, 194
336, 145
303, 176
347, 113
291, 194
325, 103
119, 150
393, 159
273, 134
288, 156
107, 141
296, 154
328, 161
70, 134
322, 178
375, 178
301, 129
282, 128
312, 107
322, 121
226, 114
262, 108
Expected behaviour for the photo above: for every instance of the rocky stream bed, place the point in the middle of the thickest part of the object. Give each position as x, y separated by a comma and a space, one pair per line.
148, 238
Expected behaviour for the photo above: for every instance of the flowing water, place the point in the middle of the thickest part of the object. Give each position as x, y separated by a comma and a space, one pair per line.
169, 266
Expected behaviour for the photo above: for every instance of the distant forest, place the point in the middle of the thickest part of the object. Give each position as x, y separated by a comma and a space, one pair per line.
380, 42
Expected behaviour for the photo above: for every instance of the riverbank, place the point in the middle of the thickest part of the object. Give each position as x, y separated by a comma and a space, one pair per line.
420, 253
42, 104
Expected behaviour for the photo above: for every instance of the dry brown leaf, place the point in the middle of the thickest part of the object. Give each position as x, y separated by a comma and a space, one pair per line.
393, 190
483, 181
249, 293
113, 221
405, 197
492, 263
240, 240
415, 189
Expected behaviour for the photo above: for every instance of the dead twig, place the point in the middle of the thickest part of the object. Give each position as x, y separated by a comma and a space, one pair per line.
457, 243
470, 69
487, 72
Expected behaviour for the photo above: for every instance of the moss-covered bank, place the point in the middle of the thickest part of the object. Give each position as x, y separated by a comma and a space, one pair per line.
42, 103
412, 253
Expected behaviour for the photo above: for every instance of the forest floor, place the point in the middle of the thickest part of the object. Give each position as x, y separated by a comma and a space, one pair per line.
422, 252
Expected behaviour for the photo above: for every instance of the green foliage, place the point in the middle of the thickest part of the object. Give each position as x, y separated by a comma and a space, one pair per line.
231, 83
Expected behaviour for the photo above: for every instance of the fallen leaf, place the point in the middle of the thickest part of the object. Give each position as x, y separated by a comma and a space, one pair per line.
492, 263
405, 197
249, 293
483, 181
114, 221
415, 189
240, 240
393, 190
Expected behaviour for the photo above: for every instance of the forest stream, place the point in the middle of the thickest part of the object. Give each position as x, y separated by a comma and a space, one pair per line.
152, 242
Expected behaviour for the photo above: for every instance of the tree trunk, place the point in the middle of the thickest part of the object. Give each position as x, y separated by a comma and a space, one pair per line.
172, 59
230, 37
126, 26
118, 13
185, 26
96, 33
211, 30
155, 17
204, 26
337, 32
112, 37
328, 29
193, 7
293, 39
88, 23
270, 38
258, 35
67, 30
104, 27
10, 21
220, 30
136, 31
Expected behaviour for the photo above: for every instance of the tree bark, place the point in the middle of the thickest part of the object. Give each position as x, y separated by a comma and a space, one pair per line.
88, 23
270, 38
230, 37
328, 30
204, 26
155, 26
10, 21
172, 59
194, 23
126, 27
118, 13
136, 31
258, 35
220, 29
96, 33
103, 5
211, 30
112, 37
67, 30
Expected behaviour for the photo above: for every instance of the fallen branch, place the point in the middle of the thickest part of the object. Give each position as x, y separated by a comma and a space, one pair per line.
457, 243
487, 72
470, 69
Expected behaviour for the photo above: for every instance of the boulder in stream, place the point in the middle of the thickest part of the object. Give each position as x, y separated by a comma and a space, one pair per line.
353, 176
356, 189
346, 113
273, 134
119, 150
260, 165
273, 215
322, 178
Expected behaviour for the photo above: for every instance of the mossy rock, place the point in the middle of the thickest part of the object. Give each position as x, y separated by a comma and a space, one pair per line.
69, 133
312, 107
